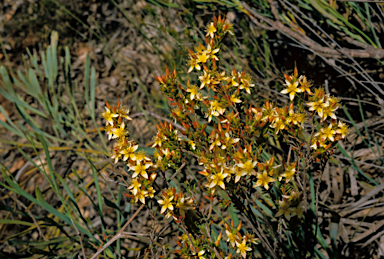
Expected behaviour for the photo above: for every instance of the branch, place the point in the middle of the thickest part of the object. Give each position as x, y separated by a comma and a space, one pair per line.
81, 241
368, 51
178, 171
120, 234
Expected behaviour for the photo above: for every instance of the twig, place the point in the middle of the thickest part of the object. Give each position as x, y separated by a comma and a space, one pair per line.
368, 52
265, 243
120, 234
136, 234
359, 162
112, 181
178, 171
189, 152
210, 239
31, 215
189, 237
342, 50
161, 232
80, 238
264, 217
152, 233
305, 163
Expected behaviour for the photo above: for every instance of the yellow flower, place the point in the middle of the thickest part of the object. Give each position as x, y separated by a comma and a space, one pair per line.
166, 204
108, 116
202, 57
194, 90
295, 117
192, 63
127, 152
234, 99
166, 152
228, 28
327, 133
139, 157
140, 170
150, 192
248, 167
116, 155
242, 248
229, 141
217, 179
250, 238
318, 141
220, 76
328, 112
343, 129
284, 210
192, 144
246, 83
299, 210
205, 79
215, 142
109, 130
184, 204
200, 254
318, 106
211, 29
291, 89
120, 131
140, 195
239, 172
278, 125
305, 85
157, 142
123, 113
217, 106
233, 79
135, 186
264, 180
231, 237
211, 53
289, 174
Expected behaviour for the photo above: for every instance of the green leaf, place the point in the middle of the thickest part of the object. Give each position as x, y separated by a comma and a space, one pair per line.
16, 222
58, 214
111, 204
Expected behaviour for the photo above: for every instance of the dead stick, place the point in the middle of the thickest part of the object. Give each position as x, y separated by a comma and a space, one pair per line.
120, 234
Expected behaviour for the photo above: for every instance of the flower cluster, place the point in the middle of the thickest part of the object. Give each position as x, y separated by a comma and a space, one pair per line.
242, 243
174, 204
125, 149
319, 103
291, 205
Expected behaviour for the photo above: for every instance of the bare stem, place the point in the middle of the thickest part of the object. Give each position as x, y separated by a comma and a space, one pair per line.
189, 237
210, 239
265, 242
306, 161
81, 240
31, 215
178, 171
120, 234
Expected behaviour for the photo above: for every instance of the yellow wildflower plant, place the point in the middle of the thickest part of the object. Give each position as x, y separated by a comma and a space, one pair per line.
237, 146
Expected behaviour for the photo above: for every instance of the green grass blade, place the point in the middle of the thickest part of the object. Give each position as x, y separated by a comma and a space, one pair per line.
16, 222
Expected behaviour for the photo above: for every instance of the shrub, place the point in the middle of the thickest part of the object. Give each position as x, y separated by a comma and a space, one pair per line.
256, 160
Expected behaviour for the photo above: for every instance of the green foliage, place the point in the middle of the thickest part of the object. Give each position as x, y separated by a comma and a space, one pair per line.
58, 123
